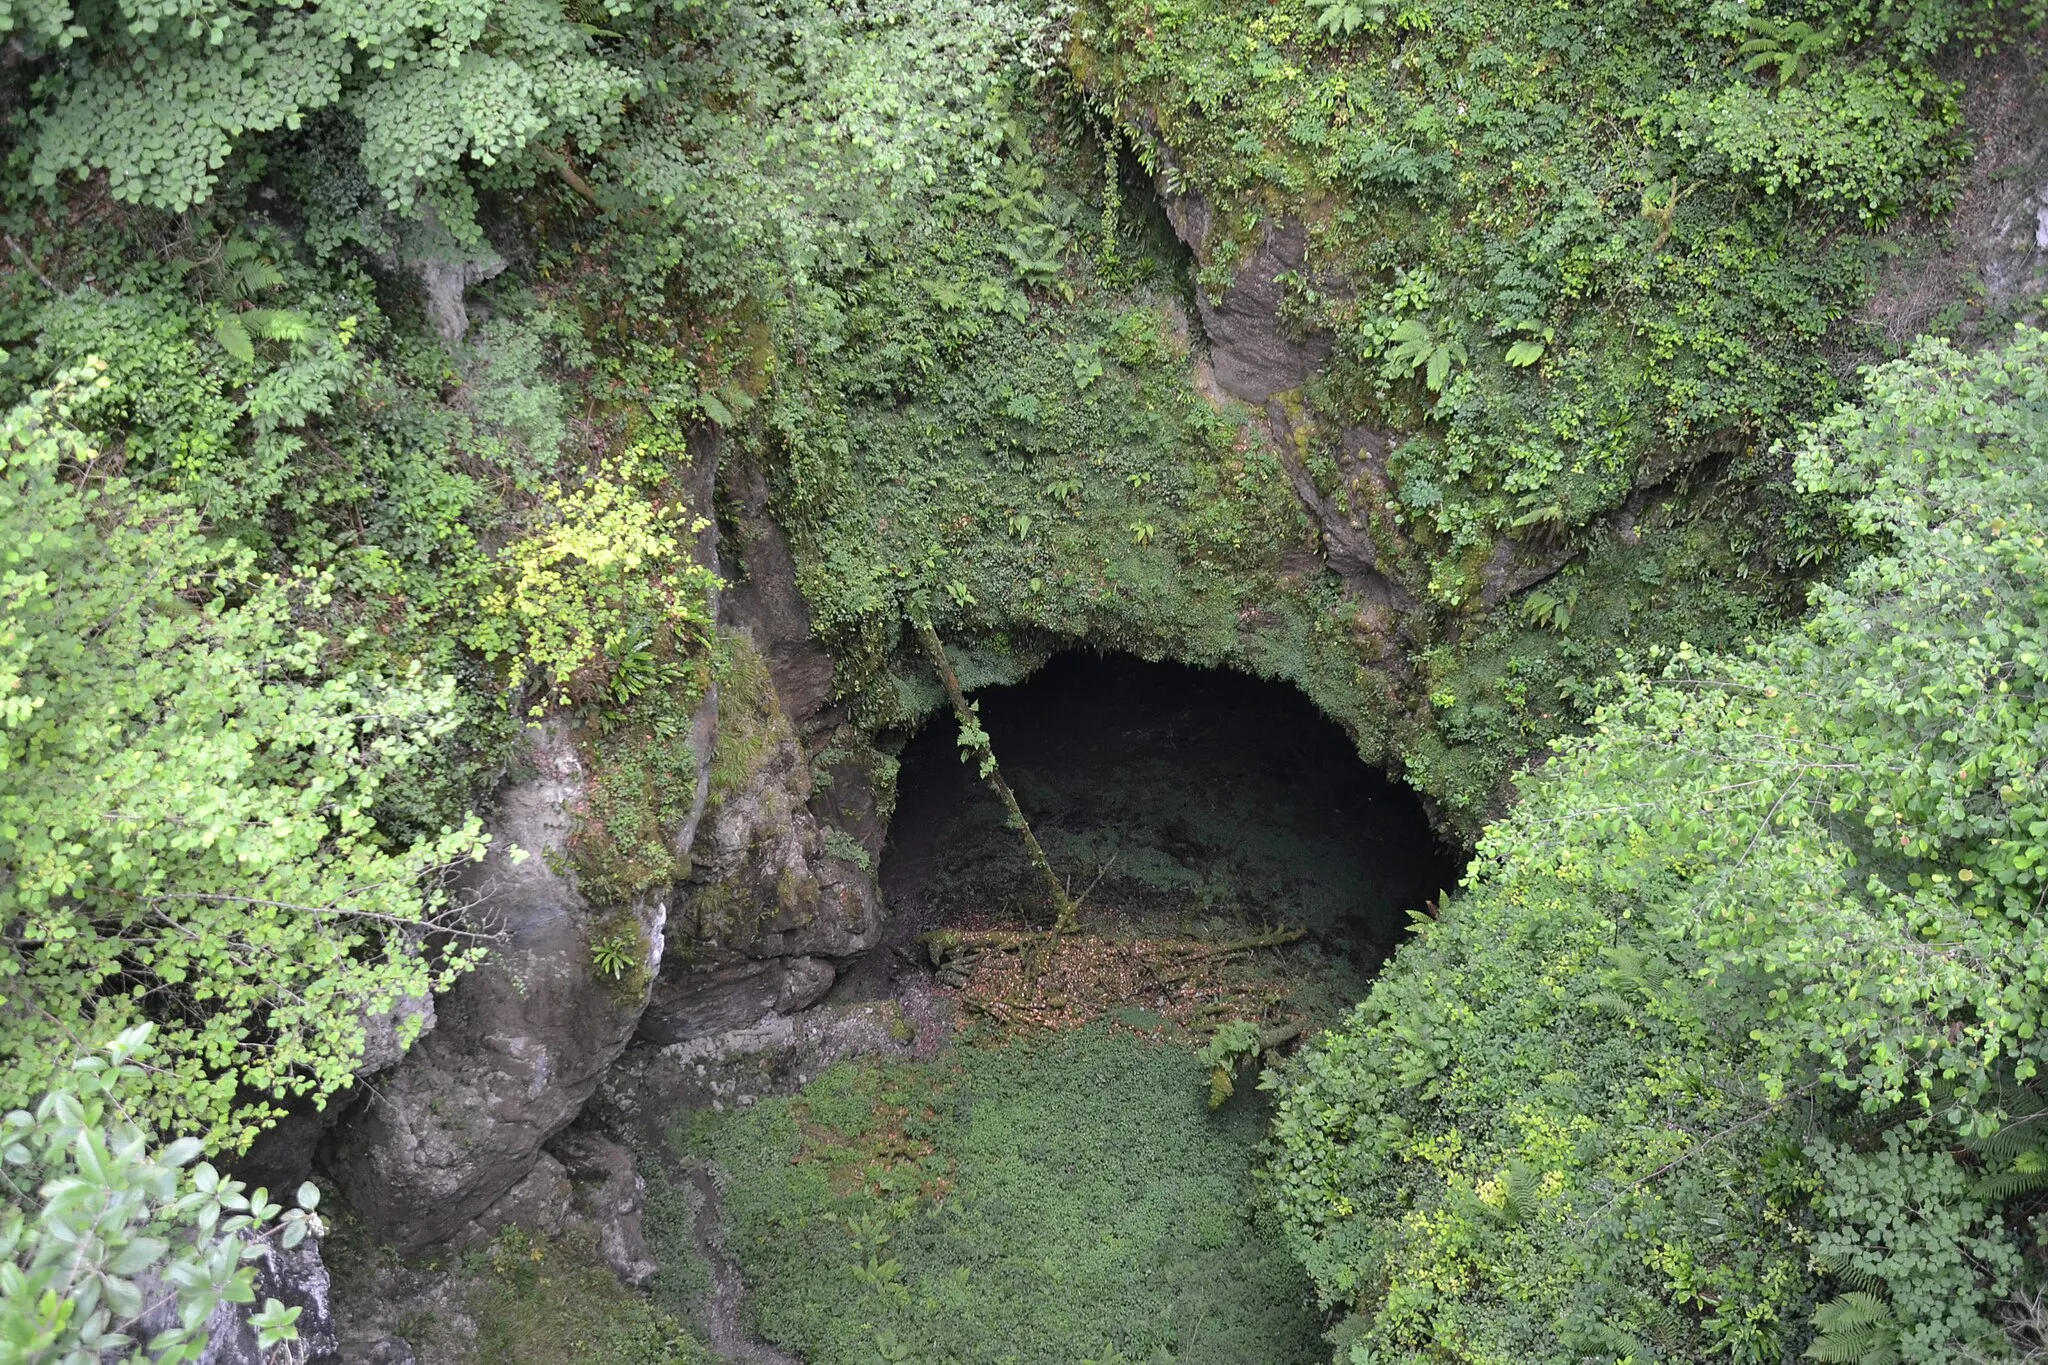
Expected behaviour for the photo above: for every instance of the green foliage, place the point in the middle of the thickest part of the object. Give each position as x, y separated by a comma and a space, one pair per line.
161, 98
1856, 1329
781, 144
601, 582
1743, 971
1037, 1202
1346, 17
542, 1302
1860, 140
1552, 249
188, 820
1415, 347
99, 1228
1787, 45
1233, 1045
615, 954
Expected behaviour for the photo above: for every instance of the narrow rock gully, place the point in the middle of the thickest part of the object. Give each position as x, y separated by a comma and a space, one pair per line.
722, 1312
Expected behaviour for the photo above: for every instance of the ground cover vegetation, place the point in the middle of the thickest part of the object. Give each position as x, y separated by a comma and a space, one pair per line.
1065, 1199
531, 1300
286, 568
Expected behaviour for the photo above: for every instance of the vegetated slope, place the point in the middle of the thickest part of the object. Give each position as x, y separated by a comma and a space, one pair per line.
909, 270
1731, 1043
1567, 262
1033, 1202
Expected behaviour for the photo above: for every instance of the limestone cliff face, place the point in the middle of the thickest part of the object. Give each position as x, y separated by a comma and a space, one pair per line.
1254, 351
449, 1144
519, 1044
1258, 357
466, 1133
782, 879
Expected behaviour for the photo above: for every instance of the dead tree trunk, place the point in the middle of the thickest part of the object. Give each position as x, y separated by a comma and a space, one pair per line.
975, 739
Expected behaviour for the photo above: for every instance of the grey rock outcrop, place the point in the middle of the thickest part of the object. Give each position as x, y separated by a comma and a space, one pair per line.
608, 1196
1972, 271
768, 880
295, 1277
781, 877
520, 1043
695, 1004
446, 269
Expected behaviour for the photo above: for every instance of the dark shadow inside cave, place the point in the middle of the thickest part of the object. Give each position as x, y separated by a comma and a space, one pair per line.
1187, 798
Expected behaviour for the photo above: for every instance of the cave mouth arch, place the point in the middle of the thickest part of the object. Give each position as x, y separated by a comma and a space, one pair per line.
1185, 797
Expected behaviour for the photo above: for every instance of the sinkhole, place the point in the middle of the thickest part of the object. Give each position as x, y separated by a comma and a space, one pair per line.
1057, 1161
1174, 799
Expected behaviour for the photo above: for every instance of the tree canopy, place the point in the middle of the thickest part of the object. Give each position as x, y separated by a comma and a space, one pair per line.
1739, 1015
188, 819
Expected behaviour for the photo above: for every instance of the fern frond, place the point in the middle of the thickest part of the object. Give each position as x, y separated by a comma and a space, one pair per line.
1221, 1086
1664, 1327
1518, 1192
2007, 1184
1855, 1329
1840, 1267
2023, 1134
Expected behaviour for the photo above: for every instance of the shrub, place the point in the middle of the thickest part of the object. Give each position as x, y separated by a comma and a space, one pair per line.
1752, 969
99, 1230
187, 817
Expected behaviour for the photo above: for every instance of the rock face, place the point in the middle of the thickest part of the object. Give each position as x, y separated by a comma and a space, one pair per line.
768, 880
295, 1277
608, 1195
1984, 263
465, 1134
1256, 356
1255, 353
446, 269
519, 1044
781, 878
448, 1146
696, 1004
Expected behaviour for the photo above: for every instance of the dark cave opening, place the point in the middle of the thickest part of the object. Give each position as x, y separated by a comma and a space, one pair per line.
1177, 798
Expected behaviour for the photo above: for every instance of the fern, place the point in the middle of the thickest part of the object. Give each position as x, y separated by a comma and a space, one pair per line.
1838, 1266
1788, 45
1665, 1329
2029, 1172
2022, 1134
1235, 1044
1855, 1329
1518, 1186
1551, 610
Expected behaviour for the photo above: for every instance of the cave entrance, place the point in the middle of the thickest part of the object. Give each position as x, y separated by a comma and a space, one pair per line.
1244, 874
1178, 799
